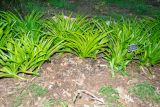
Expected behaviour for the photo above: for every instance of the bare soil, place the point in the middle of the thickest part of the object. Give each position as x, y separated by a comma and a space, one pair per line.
64, 75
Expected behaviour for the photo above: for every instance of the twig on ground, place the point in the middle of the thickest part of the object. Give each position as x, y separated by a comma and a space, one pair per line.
93, 97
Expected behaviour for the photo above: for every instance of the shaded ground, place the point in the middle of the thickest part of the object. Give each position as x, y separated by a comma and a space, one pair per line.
83, 7
61, 78
97, 8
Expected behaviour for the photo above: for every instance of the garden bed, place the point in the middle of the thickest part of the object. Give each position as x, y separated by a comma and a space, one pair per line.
53, 60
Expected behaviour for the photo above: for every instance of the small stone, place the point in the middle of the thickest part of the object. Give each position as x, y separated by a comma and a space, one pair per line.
49, 68
153, 76
50, 86
86, 105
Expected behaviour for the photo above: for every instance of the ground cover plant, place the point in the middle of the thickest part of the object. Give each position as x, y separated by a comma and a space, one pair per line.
29, 41
53, 56
30, 23
26, 51
32, 92
125, 33
23, 55
5, 33
61, 24
111, 96
146, 91
151, 54
80, 35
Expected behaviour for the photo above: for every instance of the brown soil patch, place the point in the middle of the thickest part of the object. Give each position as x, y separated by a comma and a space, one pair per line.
66, 74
